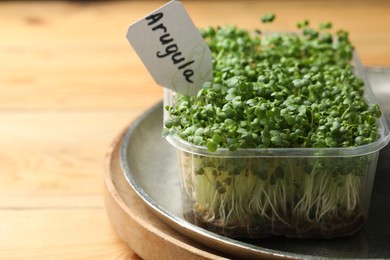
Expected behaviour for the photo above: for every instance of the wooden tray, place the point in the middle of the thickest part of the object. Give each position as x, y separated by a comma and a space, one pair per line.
151, 237
137, 226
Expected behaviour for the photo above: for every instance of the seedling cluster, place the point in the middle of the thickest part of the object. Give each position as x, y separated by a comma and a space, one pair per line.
277, 90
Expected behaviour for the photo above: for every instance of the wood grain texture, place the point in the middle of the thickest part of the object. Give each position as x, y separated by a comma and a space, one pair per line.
137, 225
49, 233
41, 153
76, 55
69, 82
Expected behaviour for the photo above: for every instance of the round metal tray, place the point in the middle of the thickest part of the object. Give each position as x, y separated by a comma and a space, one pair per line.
149, 165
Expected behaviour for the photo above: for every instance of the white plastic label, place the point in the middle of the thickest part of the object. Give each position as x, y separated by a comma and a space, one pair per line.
172, 49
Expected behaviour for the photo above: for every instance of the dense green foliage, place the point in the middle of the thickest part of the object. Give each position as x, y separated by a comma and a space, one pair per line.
277, 90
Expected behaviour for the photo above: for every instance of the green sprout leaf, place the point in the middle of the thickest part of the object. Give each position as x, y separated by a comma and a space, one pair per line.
268, 18
211, 145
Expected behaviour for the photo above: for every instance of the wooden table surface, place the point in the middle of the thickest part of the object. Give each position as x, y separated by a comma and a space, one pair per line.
70, 82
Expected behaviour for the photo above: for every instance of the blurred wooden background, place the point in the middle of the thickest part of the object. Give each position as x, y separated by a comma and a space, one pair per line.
70, 82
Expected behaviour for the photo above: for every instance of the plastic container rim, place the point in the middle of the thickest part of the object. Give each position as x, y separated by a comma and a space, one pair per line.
366, 149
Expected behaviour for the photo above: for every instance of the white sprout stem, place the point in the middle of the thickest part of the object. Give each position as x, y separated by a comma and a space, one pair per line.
246, 196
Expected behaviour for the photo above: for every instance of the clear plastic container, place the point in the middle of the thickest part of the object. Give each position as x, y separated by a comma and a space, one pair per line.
295, 192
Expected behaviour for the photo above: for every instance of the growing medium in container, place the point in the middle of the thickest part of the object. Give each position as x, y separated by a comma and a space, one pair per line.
283, 141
